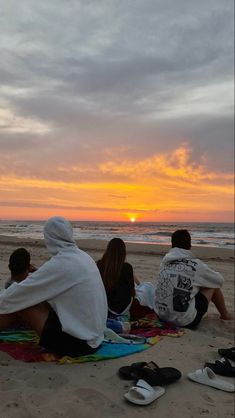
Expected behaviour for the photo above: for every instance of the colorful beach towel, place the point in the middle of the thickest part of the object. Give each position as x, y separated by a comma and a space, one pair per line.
150, 325
23, 344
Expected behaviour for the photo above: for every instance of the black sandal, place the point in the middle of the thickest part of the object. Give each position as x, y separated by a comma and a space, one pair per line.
151, 373
222, 367
228, 353
126, 372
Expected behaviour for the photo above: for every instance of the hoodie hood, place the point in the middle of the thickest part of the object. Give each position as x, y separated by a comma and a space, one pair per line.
177, 254
58, 234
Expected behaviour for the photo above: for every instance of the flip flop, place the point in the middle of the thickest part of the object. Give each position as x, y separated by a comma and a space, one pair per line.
222, 367
157, 376
207, 377
229, 353
126, 372
151, 373
143, 394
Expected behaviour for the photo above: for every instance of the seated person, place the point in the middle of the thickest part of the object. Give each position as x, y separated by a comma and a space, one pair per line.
120, 283
19, 266
118, 278
185, 285
64, 301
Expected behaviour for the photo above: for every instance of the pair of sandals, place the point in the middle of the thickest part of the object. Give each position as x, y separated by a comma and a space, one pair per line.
146, 376
225, 366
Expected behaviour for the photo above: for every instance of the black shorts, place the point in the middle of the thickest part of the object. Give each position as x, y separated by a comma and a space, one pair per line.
201, 305
59, 342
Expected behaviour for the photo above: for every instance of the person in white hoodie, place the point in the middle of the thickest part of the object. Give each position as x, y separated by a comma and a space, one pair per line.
64, 301
186, 285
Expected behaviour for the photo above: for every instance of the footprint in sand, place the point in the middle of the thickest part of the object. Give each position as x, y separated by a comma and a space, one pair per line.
208, 398
95, 400
82, 402
45, 380
7, 383
12, 406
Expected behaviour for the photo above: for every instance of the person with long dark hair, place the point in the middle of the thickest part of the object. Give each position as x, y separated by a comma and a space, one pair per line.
118, 278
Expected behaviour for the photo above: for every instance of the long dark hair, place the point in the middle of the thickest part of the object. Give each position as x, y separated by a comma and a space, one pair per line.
111, 263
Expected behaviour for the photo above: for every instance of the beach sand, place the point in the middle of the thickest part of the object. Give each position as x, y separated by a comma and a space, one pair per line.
94, 389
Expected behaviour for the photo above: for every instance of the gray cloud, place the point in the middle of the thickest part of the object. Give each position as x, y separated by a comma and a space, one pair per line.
102, 74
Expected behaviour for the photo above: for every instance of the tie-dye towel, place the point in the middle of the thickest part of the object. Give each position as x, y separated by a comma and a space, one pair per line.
23, 344
150, 325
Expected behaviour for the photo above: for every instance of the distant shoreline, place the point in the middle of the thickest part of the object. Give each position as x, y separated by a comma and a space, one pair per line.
204, 235
205, 253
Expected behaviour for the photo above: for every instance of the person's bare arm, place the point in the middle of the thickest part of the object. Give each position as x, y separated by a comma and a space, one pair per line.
136, 280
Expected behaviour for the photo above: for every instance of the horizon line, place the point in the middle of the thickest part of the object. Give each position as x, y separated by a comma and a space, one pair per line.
116, 221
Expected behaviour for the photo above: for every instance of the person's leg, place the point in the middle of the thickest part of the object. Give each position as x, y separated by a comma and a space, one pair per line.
42, 319
217, 297
35, 317
54, 339
201, 305
7, 321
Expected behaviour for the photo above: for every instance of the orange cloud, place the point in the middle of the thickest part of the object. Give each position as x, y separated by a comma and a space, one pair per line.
176, 164
167, 186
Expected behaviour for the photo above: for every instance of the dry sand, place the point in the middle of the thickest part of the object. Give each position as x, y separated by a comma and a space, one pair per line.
93, 389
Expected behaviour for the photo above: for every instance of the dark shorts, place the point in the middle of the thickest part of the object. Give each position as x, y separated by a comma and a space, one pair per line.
59, 342
201, 305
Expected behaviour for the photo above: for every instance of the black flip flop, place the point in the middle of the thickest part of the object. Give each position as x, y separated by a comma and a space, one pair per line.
222, 367
151, 373
228, 353
126, 372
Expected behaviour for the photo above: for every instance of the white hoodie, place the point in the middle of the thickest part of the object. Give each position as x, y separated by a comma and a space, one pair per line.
180, 278
70, 282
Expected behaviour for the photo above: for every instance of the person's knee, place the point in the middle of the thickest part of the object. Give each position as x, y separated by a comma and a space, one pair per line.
208, 293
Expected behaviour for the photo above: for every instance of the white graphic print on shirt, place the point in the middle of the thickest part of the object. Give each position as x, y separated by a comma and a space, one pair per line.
175, 284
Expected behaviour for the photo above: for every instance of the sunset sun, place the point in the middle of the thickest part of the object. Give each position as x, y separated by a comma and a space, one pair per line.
133, 219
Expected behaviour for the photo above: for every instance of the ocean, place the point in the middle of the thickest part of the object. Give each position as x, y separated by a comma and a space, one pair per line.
203, 234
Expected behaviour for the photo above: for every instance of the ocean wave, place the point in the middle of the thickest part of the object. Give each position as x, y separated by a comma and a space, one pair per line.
164, 234
214, 235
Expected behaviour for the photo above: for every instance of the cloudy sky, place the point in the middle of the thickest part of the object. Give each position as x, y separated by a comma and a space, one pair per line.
112, 109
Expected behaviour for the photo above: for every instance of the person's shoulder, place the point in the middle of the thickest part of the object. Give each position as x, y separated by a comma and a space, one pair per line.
128, 269
127, 265
8, 283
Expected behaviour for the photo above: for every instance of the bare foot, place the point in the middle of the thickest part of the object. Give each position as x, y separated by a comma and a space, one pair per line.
227, 317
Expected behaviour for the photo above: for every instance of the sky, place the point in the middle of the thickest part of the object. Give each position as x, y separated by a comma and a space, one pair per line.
117, 109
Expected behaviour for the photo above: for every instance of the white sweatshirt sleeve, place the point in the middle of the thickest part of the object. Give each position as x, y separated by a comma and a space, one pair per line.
206, 277
40, 286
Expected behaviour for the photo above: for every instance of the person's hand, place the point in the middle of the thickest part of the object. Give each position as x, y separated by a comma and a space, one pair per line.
136, 280
32, 268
